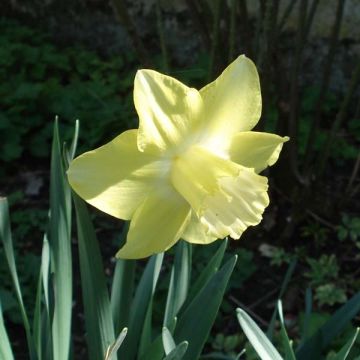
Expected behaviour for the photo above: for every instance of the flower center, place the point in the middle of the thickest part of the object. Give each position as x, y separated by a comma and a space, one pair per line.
225, 196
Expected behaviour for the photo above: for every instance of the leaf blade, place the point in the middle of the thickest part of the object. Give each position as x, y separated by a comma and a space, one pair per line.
97, 309
257, 338
60, 244
196, 319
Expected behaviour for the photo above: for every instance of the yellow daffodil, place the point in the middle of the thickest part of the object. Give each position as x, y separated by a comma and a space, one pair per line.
191, 169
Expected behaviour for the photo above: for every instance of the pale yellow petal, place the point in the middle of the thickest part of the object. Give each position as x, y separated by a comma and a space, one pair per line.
232, 102
116, 177
156, 226
196, 232
255, 149
240, 204
168, 110
226, 197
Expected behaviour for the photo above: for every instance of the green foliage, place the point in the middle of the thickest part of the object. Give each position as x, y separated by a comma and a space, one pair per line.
323, 275
316, 232
330, 294
46, 81
311, 347
349, 229
323, 269
28, 267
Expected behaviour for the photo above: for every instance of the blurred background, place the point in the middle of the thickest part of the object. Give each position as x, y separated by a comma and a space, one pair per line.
77, 60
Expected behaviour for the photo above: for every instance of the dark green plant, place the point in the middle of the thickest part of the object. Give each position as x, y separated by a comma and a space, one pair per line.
46, 81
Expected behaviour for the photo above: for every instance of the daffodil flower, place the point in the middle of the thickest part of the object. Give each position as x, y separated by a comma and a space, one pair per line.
191, 170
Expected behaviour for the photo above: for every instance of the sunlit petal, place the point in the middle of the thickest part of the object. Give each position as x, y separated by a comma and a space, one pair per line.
168, 110
232, 102
256, 150
226, 197
116, 177
239, 204
196, 233
156, 225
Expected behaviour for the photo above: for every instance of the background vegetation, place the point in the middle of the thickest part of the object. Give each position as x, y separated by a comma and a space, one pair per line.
77, 60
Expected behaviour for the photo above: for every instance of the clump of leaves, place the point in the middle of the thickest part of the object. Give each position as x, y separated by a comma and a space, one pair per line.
39, 80
323, 275
349, 229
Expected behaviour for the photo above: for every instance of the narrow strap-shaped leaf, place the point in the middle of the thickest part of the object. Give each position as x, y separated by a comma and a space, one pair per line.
179, 282
284, 285
42, 320
195, 321
72, 150
154, 351
60, 243
168, 341
146, 332
37, 323
332, 328
97, 309
6, 238
122, 289
240, 354
257, 338
211, 268
122, 292
140, 305
345, 350
289, 352
112, 349
45, 269
307, 316
5, 347
178, 353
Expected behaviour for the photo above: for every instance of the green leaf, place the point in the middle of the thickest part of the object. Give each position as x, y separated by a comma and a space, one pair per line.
332, 328
97, 309
178, 353
122, 292
168, 341
211, 268
60, 244
5, 347
179, 282
73, 146
6, 238
37, 328
42, 319
195, 320
307, 316
45, 268
146, 333
284, 285
122, 288
289, 352
112, 349
345, 350
257, 338
154, 351
140, 306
